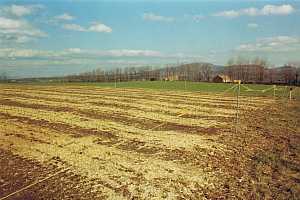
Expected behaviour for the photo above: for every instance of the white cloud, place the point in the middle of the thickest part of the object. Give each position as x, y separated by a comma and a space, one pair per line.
272, 44
14, 28
198, 18
65, 17
17, 31
249, 12
154, 17
252, 25
284, 9
277, 10
17, 53
6, 23
133, 53
25, 61
126, 62
195, 18
76, 52
73, 27
20, 10
98, 27
95, 27
228, 13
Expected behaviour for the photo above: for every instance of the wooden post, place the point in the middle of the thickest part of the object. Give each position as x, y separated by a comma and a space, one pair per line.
291, 89
185, 80
116, 79
274, 91
237, 105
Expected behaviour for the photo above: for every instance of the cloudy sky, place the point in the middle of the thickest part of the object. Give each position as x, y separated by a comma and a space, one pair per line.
52, 37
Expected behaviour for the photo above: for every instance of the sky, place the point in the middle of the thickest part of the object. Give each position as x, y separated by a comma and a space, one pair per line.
60, 37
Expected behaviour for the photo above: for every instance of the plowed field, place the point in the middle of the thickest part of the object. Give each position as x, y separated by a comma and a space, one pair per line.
88, 142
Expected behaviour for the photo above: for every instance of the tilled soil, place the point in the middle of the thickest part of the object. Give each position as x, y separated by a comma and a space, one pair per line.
17, 173
64, 151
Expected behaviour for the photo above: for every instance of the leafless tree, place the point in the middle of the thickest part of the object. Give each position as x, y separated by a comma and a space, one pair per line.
206, 70
3, 77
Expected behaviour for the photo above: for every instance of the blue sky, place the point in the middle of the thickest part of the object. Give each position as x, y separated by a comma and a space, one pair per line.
45, 38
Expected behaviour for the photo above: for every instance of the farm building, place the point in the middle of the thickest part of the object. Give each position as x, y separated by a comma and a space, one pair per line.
222, 79
171, 78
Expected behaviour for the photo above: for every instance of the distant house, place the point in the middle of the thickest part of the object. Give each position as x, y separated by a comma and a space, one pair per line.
171, 78
222, 79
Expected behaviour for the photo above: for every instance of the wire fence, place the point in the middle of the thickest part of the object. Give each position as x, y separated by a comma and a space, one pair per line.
238, 90
283, 94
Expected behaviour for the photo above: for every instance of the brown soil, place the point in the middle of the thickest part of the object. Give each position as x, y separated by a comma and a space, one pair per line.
17, 172
259, 161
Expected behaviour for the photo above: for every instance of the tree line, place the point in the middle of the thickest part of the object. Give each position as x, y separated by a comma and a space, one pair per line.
259, 71
248, 71
3, 77
189, 72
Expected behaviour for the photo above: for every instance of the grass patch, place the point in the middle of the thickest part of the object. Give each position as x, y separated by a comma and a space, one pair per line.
246, 89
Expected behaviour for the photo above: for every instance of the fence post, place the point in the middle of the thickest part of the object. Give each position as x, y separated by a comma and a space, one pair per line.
116, 79
237, 106
274, 91
185, 77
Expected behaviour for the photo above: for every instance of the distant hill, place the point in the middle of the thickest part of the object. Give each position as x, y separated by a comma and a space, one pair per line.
218, 68
197, 66
191, 67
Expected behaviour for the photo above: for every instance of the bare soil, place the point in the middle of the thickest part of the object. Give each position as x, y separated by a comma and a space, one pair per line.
92, 154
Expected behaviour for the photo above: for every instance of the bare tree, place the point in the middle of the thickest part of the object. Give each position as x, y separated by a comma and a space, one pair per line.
3, 77
260, 61
206, 70
289, 74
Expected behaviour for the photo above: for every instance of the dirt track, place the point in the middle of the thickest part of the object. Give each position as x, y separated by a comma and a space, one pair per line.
137, 144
